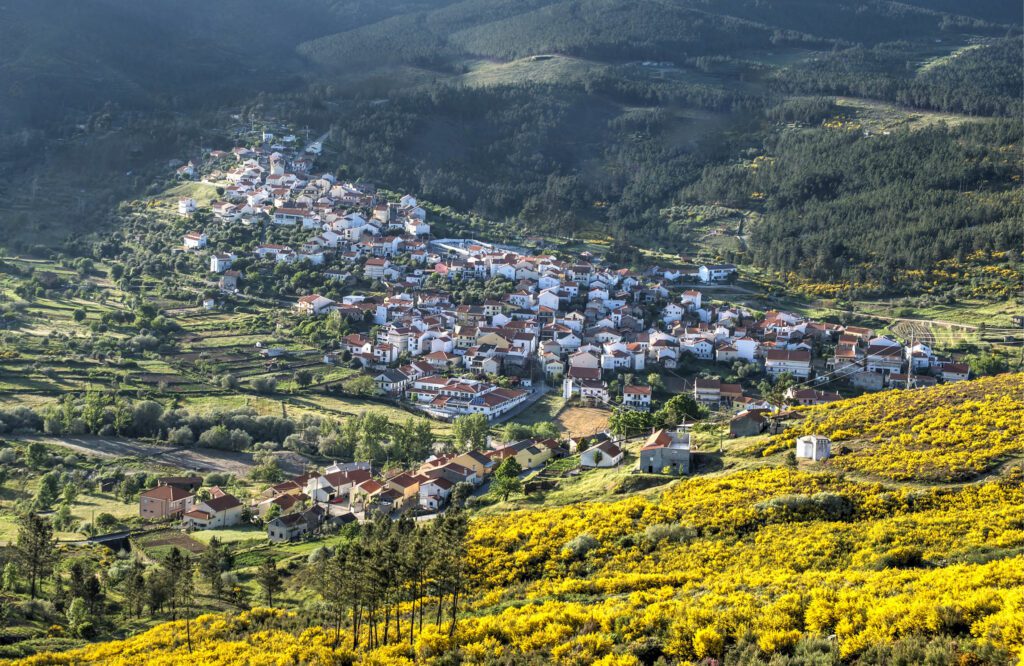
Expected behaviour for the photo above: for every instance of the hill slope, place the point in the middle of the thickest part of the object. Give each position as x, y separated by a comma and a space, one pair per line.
746, 566
101, 94
949, 433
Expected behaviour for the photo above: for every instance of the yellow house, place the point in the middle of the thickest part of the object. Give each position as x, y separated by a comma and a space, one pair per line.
476, 461
528, 453
407, 485
465, 336
500, 343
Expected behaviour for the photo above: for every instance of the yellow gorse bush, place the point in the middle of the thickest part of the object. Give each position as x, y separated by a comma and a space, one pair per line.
770, 556
947, 433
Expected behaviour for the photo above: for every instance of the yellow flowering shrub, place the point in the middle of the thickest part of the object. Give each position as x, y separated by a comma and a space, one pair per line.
950, 432
707, 643
982, 275
767, 557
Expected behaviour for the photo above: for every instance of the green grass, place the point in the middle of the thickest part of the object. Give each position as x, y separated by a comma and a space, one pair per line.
8, 529
206, 404
591, 485
87, 506
247, 342
84, 509
201, 192
329, 405
544, 410
549, 70
235, 535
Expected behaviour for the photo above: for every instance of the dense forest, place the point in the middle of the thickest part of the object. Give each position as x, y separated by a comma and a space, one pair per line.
982, 79
560, 157
841, 204
558, 116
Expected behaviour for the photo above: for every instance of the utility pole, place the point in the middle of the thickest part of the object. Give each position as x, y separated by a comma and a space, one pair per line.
910, 362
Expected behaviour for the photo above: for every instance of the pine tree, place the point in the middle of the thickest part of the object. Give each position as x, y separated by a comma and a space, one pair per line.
269, 579
36, 549
211, 563
134, 589
184, 593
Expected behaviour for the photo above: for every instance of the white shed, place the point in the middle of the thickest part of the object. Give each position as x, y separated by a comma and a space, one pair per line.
813, 447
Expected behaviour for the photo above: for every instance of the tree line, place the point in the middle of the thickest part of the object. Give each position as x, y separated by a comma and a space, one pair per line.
391, 579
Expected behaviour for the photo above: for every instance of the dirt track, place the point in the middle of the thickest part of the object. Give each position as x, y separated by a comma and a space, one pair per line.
194, 459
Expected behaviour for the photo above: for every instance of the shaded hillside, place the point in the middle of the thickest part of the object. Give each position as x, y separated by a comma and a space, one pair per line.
433, 36
81, 55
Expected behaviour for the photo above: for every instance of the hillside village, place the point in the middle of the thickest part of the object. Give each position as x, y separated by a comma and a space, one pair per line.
582, 328
571, 325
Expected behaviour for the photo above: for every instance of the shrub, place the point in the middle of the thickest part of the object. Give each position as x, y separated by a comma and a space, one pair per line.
181, 436
670, 532
903, 557
579, 547
264, 385
217, 479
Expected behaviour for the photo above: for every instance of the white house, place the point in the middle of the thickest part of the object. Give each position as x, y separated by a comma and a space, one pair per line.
691, 298
746, 348
549, 299
186, 206
605, 454
434, 493
715, 272
955, 372
637, 397
294, 216
221, 510
195, 240
375, 267
702, 349
672, 312
779, 361
415, 227
221, 261
314, 304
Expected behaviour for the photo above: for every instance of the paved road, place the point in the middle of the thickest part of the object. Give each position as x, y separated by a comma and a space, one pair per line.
196, 459
320, 139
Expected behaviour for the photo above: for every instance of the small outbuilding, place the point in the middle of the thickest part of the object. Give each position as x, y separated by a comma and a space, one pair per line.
813, 447
748, 424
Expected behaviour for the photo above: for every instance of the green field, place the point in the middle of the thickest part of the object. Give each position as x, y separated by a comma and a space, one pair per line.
546, 69
544, 410
234, 535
